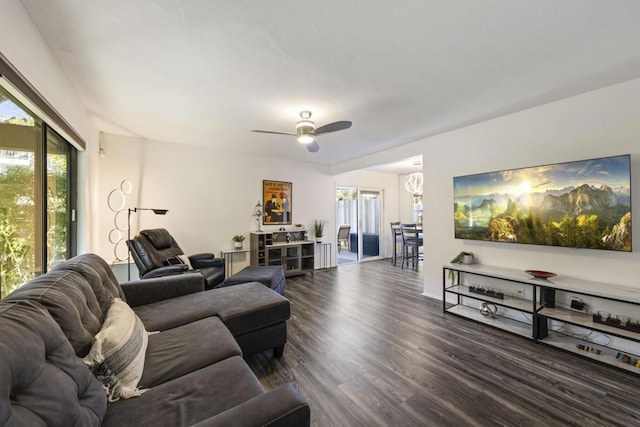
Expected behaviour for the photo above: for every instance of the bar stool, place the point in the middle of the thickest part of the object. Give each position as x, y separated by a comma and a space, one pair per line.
396, 239
411, 243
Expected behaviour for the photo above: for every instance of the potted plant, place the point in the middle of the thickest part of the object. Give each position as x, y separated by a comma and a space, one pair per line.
463, 258
237, 241
318, 228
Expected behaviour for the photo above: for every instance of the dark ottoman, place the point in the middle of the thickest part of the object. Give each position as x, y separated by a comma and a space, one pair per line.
270, 276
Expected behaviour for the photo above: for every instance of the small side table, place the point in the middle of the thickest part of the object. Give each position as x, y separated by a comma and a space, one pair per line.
227, 256
323, 249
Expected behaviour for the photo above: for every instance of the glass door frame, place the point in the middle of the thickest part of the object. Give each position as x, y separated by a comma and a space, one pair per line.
357, 225
361, 225
45, 143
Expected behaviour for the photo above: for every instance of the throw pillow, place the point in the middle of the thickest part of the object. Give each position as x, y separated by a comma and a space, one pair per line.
118, 351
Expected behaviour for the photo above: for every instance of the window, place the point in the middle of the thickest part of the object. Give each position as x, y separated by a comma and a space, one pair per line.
37, 195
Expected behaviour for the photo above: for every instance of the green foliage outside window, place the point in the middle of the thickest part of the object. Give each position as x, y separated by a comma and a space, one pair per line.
22, 205
346, 194
17, 227
17, 222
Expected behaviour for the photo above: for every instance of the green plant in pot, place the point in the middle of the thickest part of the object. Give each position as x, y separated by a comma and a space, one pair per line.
462, 258
318, 229
237, 241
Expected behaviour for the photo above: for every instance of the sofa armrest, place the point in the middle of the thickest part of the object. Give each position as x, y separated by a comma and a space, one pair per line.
147, 291
283, 406
205, 260
166, 271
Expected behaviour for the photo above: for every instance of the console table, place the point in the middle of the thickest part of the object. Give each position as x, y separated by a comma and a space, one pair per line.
598, 321
227, 256
323, 249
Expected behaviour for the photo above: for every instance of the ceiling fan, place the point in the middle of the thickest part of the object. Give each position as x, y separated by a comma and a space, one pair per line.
306, 130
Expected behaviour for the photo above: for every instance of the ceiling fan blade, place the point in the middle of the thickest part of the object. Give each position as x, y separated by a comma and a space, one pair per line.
275, 133
332, 127
313, 147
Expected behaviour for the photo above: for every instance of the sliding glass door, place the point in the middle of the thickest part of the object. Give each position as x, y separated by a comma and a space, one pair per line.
347, 223
358, 218
370, 233
20, 209
59, 216
36, 197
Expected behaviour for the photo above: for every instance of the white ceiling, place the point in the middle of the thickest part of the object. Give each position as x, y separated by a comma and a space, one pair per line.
404, 166
206, 72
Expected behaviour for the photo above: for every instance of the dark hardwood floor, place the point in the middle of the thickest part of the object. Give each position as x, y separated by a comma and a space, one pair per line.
367, 349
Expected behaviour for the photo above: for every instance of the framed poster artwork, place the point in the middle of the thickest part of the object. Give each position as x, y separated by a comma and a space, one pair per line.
276, 202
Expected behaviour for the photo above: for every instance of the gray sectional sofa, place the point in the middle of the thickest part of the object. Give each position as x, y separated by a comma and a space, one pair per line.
194, 372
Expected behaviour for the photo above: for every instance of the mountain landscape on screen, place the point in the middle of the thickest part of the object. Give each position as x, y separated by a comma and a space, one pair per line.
583, 204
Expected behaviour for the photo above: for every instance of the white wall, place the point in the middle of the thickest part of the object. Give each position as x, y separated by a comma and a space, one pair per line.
214, 192
210, 193
599, 123
405, 202
25, 48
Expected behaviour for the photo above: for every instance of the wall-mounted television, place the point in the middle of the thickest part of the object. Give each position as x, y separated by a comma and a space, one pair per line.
581, 204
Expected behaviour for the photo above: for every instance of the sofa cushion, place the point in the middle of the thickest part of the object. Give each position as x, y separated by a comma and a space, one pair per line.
142, 292
272, 276
118, 352
178, 351
71, 302
42, 382
174, 312
250, 306
99, 275
190, 398
242, 308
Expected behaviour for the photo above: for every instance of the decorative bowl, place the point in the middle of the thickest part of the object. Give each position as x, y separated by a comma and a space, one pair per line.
539, 274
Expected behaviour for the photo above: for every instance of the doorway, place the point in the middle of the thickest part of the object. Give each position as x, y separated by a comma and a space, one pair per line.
358, 216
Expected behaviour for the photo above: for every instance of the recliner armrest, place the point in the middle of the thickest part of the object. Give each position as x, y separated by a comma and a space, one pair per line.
283, 406
205, 260
147, 291
166, 271
201, 256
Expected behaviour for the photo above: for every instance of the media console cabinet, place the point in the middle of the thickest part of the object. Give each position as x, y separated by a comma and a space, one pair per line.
289, 248
599, 321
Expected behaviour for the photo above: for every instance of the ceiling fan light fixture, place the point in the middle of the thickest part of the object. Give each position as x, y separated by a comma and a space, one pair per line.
306, 131
305, 126
305, 139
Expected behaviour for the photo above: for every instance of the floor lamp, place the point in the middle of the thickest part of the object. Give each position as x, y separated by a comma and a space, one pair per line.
155, 211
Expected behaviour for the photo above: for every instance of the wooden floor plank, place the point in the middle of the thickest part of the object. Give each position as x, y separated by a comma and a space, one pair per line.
366, 348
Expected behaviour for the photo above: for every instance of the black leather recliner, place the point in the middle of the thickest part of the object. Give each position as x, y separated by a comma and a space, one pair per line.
156, 253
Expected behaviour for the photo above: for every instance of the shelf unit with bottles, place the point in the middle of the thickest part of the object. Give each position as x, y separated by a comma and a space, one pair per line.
598, 321
289, 248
